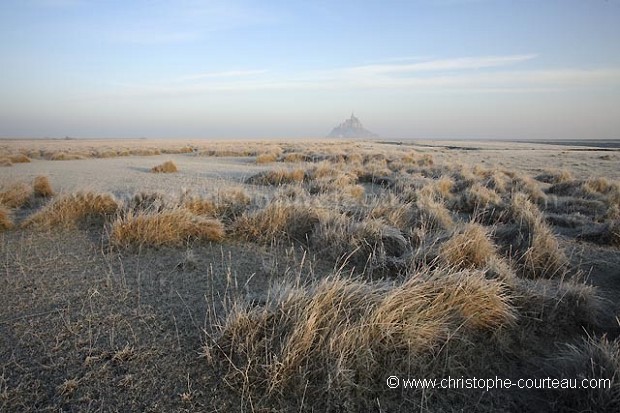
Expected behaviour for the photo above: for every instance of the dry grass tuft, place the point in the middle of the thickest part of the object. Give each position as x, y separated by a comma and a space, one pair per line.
469, 247
230, 203
72, 209
16, 195
166, 167
601, 185
198, 206
5, 219
370, 241
19, 158
42, 187
597, 361
339, 338
614, 233
479, 198
278, 219
264, 158
278, 177
173, 227
538, 251
5, 162
68, 387
65, 156
433, 215
148, 201
555, 177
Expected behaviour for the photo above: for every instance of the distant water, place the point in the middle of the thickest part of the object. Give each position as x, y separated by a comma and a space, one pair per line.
594, 143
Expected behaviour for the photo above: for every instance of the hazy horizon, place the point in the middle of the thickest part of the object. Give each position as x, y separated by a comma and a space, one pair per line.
422, 69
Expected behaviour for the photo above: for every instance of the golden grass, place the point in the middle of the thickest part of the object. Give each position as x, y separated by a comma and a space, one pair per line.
231, 203
555, 176
198, 206
370, 241
5, 219
16, 195
601, 185
477, 198
173, 227
277, 220
145, 151
278, 177
73, 209
42, 187
5, 162
294, 157
433, 215
540, 252
341, 334
265, 158
19, 158
166, 167
469, 247
65, 156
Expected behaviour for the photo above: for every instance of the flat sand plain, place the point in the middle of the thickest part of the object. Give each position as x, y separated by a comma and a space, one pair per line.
299, 275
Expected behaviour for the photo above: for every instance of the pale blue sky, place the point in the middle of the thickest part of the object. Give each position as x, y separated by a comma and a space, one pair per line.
521, 69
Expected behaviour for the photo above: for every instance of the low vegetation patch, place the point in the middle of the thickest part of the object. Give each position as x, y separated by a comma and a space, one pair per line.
70, 210
42, 187
166, 167
278, 177
167, 228
19, 158
469, 247
333, 343
5, 219
16, 195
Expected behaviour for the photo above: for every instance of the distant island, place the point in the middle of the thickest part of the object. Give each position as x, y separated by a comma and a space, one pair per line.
351, 128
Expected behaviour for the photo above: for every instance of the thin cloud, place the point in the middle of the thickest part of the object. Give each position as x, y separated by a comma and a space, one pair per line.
463, 63
481, 74
224, 74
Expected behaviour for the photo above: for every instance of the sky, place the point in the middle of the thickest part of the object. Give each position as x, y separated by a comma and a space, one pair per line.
421, 69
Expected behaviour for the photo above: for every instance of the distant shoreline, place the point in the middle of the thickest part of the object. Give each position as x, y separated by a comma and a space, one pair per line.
595, 143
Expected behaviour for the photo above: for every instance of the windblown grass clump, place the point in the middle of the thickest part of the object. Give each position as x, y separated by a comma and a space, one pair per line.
42, 187
532, 242
334, 342
478, 198
5, 162
469, 247
145, 201
555, 307
198, 206
19, 158
5, 219
230, 203
16, 195
265, 158
555, 177
166, 167
278, 177
173, 227
596, 360
433, 215
70, 210
278, 220
65, 156
369, 242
